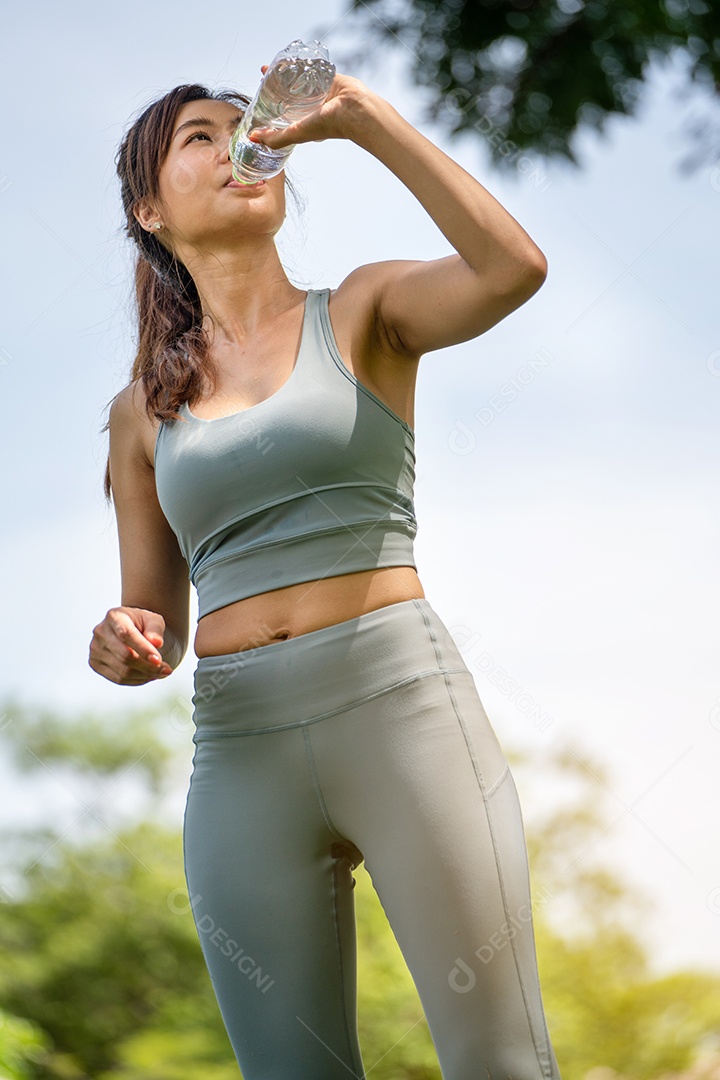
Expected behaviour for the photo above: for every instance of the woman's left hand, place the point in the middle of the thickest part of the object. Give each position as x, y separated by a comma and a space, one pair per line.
339, 117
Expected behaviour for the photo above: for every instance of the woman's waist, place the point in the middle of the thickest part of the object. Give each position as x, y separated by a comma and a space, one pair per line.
301, 608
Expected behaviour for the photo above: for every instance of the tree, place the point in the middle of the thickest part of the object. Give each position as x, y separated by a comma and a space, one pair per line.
98, 945
528, 76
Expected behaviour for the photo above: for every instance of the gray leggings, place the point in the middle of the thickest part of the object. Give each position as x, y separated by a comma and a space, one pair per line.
365, 740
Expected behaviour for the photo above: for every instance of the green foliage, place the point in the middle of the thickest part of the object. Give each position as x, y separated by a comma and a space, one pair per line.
21, 1043
89, 745
394, 1036
605, 1010
103, 946
529, 76
173, 1054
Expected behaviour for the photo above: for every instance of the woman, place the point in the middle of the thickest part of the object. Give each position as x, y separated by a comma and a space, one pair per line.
265, 444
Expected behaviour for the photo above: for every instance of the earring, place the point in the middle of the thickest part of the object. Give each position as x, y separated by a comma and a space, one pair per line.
157, 225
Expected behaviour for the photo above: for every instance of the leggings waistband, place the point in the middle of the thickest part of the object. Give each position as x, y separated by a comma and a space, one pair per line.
312, 676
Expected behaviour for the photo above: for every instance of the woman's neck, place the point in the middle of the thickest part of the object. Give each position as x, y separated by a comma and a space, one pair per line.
241, 291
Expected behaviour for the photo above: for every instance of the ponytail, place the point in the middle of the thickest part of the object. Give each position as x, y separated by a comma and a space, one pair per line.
172, 358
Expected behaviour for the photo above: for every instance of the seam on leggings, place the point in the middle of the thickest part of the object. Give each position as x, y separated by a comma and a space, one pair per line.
316, 784
499, 781
336, 914
481, 783
199, 735
351, 1054
549, 1072
445, 672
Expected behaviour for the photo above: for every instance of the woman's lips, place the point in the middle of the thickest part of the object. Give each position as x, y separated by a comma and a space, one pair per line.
235, 184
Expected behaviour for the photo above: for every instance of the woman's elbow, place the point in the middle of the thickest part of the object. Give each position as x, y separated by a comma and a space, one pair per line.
532, 275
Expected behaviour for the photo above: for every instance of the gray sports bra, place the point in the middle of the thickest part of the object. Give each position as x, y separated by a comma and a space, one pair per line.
315, 481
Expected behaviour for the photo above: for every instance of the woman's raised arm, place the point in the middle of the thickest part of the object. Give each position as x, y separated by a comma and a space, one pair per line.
427, 305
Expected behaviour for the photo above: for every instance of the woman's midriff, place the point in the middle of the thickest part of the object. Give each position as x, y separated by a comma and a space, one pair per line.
300, 609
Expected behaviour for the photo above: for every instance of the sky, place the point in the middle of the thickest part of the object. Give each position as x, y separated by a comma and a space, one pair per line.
567, 459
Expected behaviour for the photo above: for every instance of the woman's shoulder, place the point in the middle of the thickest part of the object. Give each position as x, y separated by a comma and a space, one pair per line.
130, 422
370, 279
357, 303
362, 292
379, 273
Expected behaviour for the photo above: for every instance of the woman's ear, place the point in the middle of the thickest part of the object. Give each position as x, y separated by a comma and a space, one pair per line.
145, 213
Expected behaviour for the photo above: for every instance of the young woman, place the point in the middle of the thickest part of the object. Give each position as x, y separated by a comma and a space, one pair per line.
264, 451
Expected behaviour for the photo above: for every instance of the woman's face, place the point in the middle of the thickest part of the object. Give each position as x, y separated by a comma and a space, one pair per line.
197, 207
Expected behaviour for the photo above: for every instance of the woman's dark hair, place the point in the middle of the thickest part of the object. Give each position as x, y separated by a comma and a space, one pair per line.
171, 359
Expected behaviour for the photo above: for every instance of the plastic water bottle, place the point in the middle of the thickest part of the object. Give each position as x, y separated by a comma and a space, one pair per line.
295, 83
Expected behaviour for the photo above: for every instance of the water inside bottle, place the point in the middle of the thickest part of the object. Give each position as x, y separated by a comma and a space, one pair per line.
294, 85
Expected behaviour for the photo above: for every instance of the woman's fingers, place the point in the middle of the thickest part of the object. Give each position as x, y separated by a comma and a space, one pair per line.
130, 635
126, 668
118, 674
123, 648
341, 116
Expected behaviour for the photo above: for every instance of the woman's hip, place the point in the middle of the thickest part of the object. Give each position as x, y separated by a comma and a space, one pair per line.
315, 675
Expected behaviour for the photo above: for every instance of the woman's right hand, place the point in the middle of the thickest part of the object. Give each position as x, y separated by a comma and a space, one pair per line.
124, 646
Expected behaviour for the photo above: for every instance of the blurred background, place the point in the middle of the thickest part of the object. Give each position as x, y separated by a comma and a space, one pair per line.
566, 495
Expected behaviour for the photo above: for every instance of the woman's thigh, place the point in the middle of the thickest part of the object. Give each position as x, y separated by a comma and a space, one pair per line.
271, 891
417, 777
